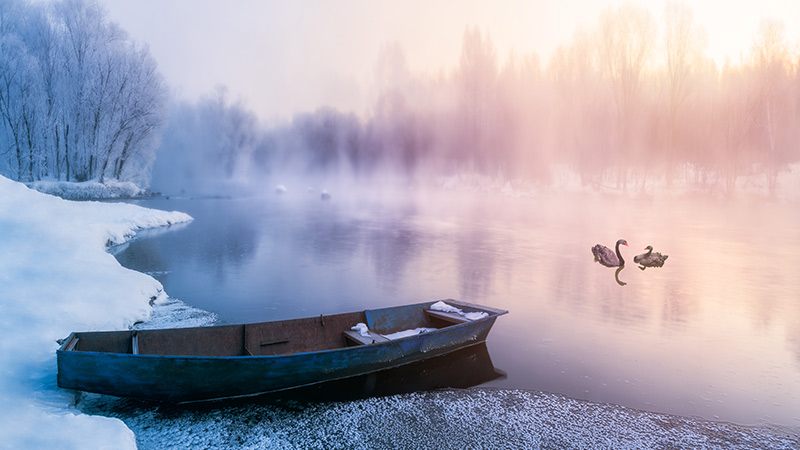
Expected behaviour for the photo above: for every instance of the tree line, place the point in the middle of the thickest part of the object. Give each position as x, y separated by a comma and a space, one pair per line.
630, 103
79, 100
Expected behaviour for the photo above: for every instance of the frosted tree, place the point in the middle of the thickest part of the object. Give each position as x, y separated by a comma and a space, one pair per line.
90, 67
626, 41
477, 80
583, 105
135, 114
736, 117
684, 45
78, 99
775, 102
396, 132
208, 142
20, 102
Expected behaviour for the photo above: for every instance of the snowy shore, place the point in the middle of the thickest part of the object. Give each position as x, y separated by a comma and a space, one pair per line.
57, 277
88, 190
454, 419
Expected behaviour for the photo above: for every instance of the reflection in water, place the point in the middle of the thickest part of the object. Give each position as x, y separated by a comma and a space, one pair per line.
226, 241
598, 248
461, 369
391, 253
709, 334
616, 276
476, 262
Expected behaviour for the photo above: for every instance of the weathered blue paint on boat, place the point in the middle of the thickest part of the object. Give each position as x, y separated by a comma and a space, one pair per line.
205, 363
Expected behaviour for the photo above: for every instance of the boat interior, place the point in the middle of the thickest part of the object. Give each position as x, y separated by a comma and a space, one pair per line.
267, 338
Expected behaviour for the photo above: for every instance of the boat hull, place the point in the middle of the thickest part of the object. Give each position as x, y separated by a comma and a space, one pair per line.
191, 378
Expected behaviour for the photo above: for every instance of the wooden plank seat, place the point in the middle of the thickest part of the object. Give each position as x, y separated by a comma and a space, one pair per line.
446, 316
356, 337
72, 343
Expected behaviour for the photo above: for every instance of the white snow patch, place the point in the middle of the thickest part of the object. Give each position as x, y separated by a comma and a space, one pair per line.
57, 277
407, 333
475, 315
88, 189
444, 307
361, 328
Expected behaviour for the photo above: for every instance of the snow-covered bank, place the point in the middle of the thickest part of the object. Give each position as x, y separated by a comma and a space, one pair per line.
56, 277
88, 190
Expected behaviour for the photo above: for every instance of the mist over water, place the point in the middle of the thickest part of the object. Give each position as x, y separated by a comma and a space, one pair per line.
490, 182
710, 334
632, 104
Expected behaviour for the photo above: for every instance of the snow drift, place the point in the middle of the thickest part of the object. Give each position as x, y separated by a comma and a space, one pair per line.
57, 277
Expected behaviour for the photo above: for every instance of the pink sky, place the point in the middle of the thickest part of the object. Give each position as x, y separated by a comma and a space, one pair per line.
284, 57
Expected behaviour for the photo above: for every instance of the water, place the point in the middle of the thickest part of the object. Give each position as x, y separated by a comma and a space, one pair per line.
714, 334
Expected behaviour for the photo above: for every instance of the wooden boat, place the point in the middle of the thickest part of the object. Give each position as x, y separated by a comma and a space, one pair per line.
204, 363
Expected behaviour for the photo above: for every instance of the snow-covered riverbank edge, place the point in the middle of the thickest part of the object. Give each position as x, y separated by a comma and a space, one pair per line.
89, 190
57, 277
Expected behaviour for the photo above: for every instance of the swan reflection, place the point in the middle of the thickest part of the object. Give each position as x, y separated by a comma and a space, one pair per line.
616, 276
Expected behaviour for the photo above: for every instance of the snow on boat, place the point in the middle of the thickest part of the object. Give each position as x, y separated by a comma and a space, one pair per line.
205, 363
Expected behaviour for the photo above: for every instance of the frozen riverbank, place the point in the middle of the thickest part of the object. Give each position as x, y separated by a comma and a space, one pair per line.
56, 277
88, 190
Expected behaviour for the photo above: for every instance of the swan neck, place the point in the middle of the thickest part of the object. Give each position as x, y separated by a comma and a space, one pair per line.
619, 255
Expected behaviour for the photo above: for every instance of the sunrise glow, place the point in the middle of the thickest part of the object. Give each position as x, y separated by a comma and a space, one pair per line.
261, 203
293, 56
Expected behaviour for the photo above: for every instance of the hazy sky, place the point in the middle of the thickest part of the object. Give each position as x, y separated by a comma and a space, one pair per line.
283, 57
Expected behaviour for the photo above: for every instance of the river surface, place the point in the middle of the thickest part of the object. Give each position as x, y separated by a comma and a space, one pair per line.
713, 334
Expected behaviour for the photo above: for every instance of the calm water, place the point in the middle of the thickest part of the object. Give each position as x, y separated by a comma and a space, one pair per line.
715, 333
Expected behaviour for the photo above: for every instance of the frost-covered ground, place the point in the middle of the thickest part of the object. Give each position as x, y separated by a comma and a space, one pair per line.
443, 419
88, 190
56, 276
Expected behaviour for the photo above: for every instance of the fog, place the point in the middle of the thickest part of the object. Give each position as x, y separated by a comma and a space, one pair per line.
625, 105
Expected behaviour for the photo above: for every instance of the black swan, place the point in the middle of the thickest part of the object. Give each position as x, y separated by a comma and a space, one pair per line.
607, 257
650, 259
